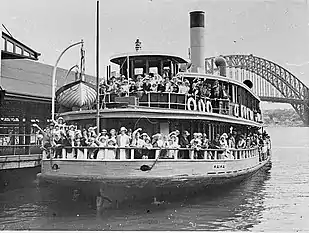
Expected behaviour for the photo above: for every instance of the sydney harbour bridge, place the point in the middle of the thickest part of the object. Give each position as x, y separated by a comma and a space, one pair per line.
271, 82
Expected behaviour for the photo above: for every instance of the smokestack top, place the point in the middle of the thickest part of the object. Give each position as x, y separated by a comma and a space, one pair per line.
197, 19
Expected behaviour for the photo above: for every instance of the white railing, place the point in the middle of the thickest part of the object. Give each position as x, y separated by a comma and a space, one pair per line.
134, 153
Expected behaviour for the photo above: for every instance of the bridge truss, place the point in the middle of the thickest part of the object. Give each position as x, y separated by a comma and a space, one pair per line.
271, 82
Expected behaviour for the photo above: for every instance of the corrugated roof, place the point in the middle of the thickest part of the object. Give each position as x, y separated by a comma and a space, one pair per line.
32, 78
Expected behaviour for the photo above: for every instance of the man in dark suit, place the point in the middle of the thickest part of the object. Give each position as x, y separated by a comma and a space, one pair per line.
184, 143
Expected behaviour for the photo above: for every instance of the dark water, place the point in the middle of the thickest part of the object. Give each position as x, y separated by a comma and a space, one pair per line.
274, 200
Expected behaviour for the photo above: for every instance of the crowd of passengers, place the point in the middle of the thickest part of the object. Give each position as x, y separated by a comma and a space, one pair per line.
57, 136
121, 86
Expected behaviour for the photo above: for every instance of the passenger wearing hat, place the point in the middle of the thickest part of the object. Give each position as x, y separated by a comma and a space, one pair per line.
113, 135
232, 140
102, 142
111, 153
241, 144
144, 136
103, 133
172, 144
136, 137
123, 140
147, 84
184, 143
187, 86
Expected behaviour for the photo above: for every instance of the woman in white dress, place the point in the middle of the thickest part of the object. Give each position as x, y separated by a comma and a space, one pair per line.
123, 140
102, 142
111, 153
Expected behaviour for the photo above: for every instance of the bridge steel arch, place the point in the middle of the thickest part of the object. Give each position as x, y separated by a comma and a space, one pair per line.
291, 88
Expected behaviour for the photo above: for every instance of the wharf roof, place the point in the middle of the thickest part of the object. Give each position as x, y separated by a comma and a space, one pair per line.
31, 79
118, 58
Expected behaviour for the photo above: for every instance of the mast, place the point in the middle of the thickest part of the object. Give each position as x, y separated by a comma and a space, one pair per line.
128, 71
97, 71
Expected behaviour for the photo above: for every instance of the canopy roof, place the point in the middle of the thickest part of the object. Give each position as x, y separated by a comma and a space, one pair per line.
143, 55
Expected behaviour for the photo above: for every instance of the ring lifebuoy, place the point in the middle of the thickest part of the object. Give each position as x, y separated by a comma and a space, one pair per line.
208, 106
201, 106
189, 104
55, 167
236, 110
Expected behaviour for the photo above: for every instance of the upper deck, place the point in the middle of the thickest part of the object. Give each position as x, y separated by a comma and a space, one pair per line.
160, 86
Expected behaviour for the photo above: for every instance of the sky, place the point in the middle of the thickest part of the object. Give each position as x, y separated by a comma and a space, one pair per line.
273, 29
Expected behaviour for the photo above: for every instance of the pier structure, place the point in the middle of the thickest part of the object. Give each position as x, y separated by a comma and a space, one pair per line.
25, 98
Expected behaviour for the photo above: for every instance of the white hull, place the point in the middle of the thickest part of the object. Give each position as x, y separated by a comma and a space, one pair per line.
164, 173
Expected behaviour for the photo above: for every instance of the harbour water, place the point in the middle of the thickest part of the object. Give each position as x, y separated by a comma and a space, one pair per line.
274, 200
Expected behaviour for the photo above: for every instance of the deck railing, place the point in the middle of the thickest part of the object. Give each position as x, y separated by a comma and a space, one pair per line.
174, 101
135, 153
17, 139
19, 149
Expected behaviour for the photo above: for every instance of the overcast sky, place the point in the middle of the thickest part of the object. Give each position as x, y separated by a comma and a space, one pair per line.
275, 30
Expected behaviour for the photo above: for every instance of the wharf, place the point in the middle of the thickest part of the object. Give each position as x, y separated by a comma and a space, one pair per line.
19, 161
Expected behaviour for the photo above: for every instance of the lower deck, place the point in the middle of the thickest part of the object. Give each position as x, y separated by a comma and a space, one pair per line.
173, 170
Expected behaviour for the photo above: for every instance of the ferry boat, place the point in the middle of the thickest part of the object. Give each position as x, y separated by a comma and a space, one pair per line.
164, 112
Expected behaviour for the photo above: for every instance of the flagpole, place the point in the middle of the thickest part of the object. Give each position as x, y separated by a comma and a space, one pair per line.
97, 67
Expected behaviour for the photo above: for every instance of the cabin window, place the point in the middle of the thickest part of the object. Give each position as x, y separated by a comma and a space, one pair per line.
9, 47
18, 50
153, 70
138, 71
26, 53
3, 43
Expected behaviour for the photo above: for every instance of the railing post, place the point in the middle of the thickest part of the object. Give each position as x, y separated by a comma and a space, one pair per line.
176, 153
85, 153
169, 100
157, 153
63, 152
216, 155
148, 96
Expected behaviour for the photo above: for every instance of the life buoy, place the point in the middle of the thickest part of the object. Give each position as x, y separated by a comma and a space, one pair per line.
55, 167
208, 106
201, 106
236, 110
191, 100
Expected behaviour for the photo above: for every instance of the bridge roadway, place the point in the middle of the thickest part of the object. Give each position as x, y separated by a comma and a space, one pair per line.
282, 100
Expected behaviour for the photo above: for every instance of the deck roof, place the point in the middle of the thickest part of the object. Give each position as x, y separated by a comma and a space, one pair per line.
32, 79
119, 58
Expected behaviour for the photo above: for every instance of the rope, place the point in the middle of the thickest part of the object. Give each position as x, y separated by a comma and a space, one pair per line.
153, 123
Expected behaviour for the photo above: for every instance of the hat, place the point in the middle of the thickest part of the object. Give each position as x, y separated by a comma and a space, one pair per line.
224, 135
156, 135
144, 134
123, 129
103, 137
111, 140
112, 130
52, 123
104, 130
71, 126
186, 133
